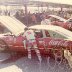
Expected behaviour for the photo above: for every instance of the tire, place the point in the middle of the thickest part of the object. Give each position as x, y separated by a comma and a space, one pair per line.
3, 46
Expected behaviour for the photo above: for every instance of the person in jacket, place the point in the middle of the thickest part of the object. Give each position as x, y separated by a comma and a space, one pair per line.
31, 43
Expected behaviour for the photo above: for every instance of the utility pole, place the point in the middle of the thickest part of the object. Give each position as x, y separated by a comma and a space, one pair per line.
25, 4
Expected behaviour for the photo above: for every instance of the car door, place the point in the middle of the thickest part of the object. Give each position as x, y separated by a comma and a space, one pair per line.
9, 40
43, 37
18, 43
56, 39
43, 43
52, 39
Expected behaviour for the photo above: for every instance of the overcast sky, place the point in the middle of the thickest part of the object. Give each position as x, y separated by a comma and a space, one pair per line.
57, 1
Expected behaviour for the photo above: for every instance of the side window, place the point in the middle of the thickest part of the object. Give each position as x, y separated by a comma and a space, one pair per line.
42, 33
53, 19
54, 34
70, 21
57, 20
38, 33
47, 33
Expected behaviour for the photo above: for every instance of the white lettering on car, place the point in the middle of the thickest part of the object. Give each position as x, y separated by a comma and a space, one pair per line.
58, 43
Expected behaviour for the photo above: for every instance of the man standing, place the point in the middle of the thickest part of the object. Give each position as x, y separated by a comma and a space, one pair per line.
45, 21
31, 42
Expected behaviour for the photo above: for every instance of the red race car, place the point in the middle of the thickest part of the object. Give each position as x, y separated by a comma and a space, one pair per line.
59, 21
55, 39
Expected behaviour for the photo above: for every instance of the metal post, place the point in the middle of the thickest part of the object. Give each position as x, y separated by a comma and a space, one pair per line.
38, 8
26, 13
42, 8
25, 3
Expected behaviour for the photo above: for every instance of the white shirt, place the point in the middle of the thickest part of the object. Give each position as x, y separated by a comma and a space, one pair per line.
29, 34
46, 21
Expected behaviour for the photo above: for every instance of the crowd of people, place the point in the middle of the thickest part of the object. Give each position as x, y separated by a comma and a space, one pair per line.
36, 18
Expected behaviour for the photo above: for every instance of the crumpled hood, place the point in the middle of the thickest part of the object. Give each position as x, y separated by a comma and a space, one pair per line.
14, 25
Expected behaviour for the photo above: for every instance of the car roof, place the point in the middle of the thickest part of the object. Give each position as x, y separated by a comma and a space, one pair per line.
58, 17
11, 23
58, 29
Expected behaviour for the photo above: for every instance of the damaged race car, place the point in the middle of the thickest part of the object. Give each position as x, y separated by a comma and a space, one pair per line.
59, 21
50, 39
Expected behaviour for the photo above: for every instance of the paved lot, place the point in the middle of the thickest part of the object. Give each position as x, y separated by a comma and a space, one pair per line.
26, 65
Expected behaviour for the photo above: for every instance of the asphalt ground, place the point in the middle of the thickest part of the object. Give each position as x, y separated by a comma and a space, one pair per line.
26, 65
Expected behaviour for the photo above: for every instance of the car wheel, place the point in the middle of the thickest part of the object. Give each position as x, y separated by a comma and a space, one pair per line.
3, 46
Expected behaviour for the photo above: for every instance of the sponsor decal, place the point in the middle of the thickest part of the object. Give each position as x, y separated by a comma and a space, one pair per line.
59, 43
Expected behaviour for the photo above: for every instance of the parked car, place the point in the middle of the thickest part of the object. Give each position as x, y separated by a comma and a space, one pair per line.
56, 18
59, 21
55, 37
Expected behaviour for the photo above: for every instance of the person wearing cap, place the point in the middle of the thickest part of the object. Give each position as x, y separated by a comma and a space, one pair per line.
31, 43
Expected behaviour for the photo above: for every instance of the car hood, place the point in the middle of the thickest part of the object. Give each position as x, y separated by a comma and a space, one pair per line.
12, 24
